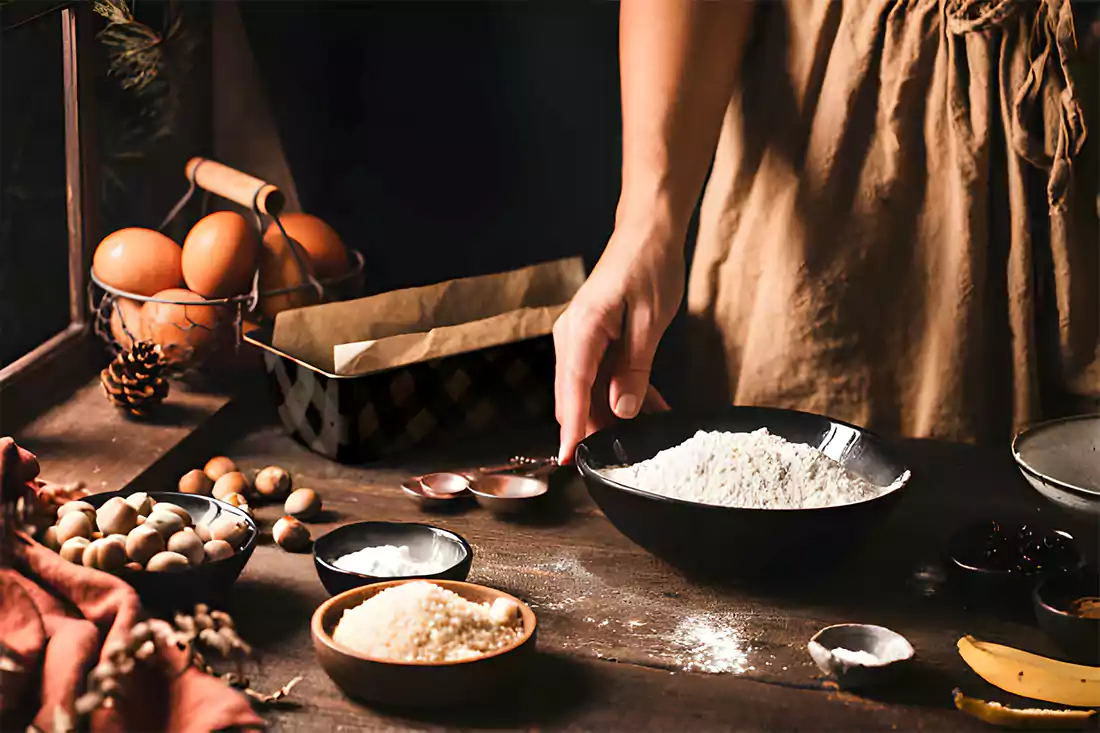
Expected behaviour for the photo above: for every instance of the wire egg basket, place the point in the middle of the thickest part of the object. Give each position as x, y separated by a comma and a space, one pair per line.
202, 336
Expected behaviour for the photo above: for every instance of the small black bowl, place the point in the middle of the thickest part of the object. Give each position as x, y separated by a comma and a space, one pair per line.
734, 544
1078, 637
421, 539
207, 583
996, 579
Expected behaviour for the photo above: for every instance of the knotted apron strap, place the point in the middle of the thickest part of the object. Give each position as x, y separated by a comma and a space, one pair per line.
1052, 32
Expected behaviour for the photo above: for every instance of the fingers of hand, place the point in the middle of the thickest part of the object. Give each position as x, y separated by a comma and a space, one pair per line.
634, 360
580, 341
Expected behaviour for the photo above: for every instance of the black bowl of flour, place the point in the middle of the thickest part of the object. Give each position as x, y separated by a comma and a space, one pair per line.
733, 543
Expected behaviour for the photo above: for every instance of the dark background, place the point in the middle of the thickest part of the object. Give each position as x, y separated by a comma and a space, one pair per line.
442, 139
451, 139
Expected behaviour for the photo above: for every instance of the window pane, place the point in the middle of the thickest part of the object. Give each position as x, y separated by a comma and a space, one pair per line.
34, 244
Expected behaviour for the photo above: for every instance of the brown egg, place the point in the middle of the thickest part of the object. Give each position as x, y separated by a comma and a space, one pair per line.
182, 331
219, 255
218, 466
327, 252
138, 261
279, 269
126, 323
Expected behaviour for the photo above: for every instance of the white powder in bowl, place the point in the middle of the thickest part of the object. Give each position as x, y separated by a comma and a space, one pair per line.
754, 470
423, 622
388, 561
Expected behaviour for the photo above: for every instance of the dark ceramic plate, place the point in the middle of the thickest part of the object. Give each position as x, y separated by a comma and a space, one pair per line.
731, 543
207, 583
402, 683
423, 541
1077, 636
986, 582
1061, 460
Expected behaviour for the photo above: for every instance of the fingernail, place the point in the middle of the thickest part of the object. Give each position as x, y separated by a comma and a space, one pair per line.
563, 455
627, 406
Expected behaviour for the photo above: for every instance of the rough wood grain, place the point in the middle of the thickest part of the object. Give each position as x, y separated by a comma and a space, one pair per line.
87, 439
628, 642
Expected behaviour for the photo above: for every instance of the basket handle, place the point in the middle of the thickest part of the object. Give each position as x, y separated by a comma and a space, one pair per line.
240, 188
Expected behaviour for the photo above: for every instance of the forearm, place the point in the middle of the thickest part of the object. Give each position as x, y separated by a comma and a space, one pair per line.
678, 62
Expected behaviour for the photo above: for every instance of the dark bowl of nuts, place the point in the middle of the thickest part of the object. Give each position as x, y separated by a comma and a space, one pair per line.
175, 549
998, 564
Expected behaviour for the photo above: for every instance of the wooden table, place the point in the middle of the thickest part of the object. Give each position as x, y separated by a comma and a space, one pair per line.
626, 643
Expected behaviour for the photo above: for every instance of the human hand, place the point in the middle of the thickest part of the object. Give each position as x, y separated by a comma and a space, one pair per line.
606, 339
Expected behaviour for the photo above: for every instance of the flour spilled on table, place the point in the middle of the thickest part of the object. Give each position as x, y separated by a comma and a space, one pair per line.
583, 613
756, 470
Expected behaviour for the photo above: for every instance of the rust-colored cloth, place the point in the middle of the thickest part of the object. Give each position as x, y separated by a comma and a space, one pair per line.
56, 619
900, 229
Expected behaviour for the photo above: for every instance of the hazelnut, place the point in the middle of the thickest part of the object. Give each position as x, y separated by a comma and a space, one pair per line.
135, 566
49, 538
291, 535
73, 549
196, 482
165, 522
229, 528
76, 506
142, 543
217, 550
141, 502
188, 544
238, 501
116, 517
167, 562
272, 483
73, 524
203, 532
165, 506
233, 482
218, 466
303, 504
107, 554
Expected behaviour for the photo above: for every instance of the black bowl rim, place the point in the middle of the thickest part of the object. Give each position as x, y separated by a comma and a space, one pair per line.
1041, 602
317, 627
900, 483
956, 538
1027, 468
246, 548
382, 578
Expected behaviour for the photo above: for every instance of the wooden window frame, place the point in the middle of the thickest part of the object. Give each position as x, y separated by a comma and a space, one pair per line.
48, 373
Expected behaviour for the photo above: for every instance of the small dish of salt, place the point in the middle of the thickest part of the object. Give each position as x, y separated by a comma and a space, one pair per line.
362, 553
858, 655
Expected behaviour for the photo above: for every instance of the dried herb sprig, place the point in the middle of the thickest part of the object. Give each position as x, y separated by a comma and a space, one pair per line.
204, 630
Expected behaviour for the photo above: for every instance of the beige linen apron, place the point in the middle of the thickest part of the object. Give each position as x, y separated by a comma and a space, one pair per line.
868, 247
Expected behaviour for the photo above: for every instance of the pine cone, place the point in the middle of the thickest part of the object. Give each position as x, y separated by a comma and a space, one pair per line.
134, 381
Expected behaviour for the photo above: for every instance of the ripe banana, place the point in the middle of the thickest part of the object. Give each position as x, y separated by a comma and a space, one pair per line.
1029, 675
1006, 717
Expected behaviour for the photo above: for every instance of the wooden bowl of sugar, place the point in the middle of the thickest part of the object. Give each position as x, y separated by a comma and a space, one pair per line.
376, 663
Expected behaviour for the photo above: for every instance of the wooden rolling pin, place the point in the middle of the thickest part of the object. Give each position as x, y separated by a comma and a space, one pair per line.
238, 187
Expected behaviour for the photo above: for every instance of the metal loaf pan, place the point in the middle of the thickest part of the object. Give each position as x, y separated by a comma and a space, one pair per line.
356, 419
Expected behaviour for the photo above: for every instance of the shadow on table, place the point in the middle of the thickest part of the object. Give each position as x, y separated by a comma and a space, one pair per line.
552, 689
252, 607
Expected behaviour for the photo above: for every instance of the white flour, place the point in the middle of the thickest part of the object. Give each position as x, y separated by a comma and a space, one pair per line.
748, 470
